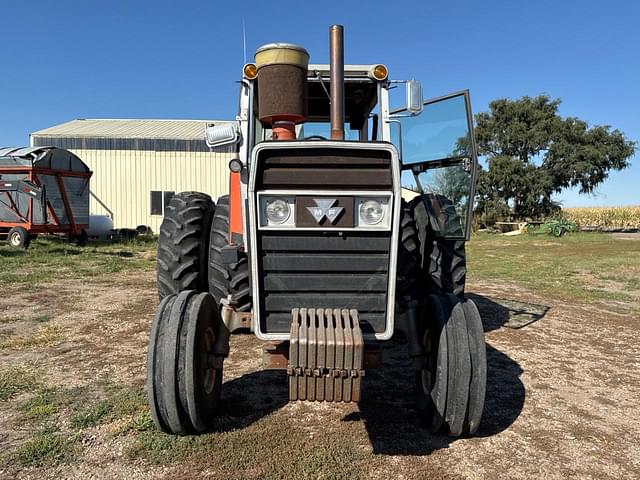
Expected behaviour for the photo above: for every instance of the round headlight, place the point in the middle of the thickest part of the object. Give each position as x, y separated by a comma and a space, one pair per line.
278, 211
235, 165
371, 212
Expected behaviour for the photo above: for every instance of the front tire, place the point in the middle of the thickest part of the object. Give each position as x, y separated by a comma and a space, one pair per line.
184, 374
183, 244
450, 388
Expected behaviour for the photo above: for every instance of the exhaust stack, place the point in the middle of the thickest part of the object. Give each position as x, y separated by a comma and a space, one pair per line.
336, 65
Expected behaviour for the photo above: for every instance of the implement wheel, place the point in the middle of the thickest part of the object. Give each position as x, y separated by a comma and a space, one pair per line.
81, 239
184, 371
18, 238
451, 387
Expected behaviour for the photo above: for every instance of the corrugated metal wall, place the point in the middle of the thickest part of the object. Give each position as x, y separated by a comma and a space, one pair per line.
123, 180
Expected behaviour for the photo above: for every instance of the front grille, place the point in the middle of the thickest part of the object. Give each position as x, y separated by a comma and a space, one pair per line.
326, 168
323, 270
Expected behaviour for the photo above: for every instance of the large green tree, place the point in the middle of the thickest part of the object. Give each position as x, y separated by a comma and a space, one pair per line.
532, 152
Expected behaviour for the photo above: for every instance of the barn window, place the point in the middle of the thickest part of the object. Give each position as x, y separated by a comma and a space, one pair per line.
167, 198
156, 202
159, 201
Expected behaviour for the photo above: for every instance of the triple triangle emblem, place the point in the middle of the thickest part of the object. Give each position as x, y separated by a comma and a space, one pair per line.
324, 208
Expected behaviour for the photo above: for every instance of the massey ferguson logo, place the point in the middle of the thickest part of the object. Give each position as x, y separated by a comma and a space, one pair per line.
324, 209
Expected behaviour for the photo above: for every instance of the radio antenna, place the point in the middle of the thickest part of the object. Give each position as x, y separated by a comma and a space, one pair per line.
244, 41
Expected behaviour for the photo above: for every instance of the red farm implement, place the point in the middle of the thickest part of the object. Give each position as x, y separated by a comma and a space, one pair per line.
43, 190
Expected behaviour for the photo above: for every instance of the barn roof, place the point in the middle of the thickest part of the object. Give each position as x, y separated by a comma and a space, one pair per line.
129, 128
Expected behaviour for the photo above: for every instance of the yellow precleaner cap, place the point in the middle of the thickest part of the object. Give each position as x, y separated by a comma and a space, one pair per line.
282, 54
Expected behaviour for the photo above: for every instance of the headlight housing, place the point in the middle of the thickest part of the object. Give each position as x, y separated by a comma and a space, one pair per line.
278, 211
371, 212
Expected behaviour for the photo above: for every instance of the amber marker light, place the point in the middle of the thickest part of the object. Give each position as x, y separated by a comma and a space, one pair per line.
250, 71
379, 72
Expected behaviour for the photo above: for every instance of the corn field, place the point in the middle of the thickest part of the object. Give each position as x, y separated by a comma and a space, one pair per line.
614, 217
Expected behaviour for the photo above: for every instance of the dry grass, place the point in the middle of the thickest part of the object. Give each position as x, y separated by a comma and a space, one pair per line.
44, 337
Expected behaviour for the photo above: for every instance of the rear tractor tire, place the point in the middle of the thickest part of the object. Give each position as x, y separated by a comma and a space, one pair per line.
442, 260
450, 389
183, 244
407, 273
187, 346
227, 279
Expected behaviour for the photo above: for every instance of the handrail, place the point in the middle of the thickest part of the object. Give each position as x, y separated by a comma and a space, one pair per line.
102, 204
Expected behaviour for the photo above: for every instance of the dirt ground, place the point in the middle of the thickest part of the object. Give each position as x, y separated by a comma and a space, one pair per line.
562, 398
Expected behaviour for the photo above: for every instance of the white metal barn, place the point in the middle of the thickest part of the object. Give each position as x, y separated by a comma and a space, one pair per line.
139, 164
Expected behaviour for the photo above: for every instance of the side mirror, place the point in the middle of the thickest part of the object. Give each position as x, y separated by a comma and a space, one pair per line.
224, 134
414, 97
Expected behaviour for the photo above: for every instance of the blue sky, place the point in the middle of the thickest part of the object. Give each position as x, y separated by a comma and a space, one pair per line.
67, 59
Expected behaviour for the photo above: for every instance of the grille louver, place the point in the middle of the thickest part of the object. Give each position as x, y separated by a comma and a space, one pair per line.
324, 271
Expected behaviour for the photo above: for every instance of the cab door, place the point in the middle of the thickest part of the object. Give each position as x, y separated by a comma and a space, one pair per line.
437, 150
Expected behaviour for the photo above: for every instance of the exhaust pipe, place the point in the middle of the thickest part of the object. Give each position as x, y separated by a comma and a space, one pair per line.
336, 68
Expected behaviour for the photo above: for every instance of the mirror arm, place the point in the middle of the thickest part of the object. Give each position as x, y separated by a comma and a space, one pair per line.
417, 179
391, 120
402, 115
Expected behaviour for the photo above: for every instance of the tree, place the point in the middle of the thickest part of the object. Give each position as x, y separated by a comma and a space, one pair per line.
532, 153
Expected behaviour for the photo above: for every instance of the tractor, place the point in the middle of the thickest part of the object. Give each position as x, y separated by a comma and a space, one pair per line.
316, 251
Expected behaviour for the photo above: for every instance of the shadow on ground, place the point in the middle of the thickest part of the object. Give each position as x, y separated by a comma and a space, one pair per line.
388, 405
497, 313
250, 397
11, 253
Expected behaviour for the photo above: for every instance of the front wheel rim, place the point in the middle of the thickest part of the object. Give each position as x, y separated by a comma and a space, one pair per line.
210, 374
427, 374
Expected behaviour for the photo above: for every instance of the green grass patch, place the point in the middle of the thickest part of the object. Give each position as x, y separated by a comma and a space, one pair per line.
90, 416
116, 402
45, 448
127, 401
41, 319
41, 406
573, 267
88, 407
49, 259
16, 379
